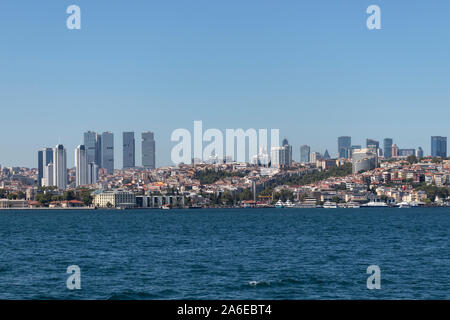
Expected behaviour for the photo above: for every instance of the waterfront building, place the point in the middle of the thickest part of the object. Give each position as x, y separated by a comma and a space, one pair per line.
344, 146
60, 167
439, 146
115, 199
80, 166
387, 147
107, 153
148, 150
305, 152
129, 159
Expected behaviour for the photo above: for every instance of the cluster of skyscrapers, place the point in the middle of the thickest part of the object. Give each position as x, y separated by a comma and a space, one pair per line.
97, 151
388, 151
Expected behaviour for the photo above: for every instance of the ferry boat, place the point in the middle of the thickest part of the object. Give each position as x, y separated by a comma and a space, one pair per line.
330, 205
353, 205
373, 204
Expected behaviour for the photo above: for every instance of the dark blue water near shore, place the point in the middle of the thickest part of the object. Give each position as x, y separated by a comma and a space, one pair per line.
226, 254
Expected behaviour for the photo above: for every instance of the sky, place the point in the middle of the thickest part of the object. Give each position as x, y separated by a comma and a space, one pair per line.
309, 68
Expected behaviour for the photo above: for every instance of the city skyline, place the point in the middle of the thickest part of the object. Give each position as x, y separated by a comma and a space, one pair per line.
299, 67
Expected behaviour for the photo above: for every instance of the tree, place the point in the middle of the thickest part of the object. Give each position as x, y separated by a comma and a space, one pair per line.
226, 198
412, 159
86, 196
69, 195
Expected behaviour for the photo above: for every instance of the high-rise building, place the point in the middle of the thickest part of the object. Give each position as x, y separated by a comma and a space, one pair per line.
406, 152
60, 167
287, 156
40, 167
92, 173
344, 146
315, 156
92, 143
387, 148
439, 146
45, 156
148, 150
419, 152
305, 153
372, 144
395, 150
80, 166
128, 150
47, 179
107, 142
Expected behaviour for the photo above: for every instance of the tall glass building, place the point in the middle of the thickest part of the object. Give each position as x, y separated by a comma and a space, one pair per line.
92, 142
439, 146
148, 150
344, 146
128, 150
45, 156
387, 148
107, 154
304, 153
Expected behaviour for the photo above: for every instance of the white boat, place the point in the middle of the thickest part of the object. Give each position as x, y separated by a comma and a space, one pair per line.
279, 204
288, 204
373, 204
353, 205
330, 205
403, 204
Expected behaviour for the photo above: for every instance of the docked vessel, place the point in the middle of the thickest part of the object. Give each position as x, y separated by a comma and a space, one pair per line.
374, 204
330, 205
279, 204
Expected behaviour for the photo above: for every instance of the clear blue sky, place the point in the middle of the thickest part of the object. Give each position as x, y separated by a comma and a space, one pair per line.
310, 68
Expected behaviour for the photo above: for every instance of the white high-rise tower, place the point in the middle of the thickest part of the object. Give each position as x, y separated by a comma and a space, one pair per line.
60, 167
81, 165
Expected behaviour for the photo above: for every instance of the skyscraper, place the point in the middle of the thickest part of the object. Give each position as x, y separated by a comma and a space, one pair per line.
387, 148
287, 154
148, 150
92, 173
107, 142
128, 150
80, 166
92, 143
304, 153
344, 146
373, 144
439, 146
60, 167
419, 152
45, 156
47, 179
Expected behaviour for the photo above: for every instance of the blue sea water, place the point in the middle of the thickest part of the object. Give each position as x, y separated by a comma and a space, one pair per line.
226, 253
